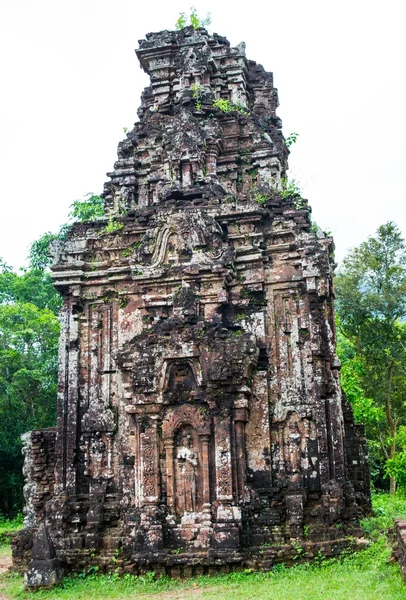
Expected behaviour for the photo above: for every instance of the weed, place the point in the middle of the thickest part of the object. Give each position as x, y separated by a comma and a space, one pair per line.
124, 300
300, 551
239, 181
306, 530
258, 197
112, 226
290, 188
194, 20
291, 139
197, 94
226, 106
237, 333
319, 559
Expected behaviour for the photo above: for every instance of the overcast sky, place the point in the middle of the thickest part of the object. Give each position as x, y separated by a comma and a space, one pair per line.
70, 83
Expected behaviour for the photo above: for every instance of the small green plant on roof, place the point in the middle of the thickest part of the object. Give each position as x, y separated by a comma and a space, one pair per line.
316, 229
240, 108
197, 94
290, 188
258, 197
192, 20
226, 106
223, 105
112, 226
291, 139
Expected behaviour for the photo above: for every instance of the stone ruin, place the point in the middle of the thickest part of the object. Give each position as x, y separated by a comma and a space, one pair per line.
201, 423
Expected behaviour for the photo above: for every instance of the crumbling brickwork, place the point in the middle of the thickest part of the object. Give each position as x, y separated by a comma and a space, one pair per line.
201, 422
399, 551
39, 475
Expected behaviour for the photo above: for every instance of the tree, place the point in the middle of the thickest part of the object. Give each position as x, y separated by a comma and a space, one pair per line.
29, 333
371, 303
89, 208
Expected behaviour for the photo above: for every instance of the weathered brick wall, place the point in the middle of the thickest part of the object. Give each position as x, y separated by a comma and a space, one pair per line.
39, 466
357, 459
200, 415
400, 551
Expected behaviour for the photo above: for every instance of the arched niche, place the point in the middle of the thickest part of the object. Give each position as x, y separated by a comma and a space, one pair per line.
186, 438
181, 380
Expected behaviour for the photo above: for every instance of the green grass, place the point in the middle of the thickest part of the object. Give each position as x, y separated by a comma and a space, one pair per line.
9, 526
364, 576
386, 508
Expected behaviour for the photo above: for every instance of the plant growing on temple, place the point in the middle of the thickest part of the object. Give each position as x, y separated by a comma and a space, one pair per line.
88, 209
291, 139
39, 257
197, 94
192, 20
371, 305
290, 188
223, 105
112, 226
258, 197
226, 106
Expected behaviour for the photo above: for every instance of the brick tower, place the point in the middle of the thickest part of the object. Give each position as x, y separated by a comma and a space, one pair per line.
200, 413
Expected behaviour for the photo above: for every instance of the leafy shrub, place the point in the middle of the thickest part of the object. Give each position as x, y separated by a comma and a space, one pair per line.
192, 20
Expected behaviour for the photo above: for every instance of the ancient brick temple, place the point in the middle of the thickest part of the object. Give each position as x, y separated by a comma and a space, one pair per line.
201, 422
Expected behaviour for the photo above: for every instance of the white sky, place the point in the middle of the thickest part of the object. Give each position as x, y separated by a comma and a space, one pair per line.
70, 82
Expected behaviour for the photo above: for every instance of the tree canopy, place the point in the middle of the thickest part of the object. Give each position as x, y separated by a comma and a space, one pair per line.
371, 306
29, 334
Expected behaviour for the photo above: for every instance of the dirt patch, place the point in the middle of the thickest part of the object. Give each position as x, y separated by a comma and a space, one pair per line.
5, 563
185, 594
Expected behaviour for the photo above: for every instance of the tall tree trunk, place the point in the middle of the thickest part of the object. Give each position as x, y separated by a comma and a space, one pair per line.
392, 425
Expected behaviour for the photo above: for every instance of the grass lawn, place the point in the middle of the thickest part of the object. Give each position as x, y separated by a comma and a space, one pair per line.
364, 576
7, 526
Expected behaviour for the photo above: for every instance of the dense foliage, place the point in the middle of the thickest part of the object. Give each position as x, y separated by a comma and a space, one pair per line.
29, 332
29, 335
371, 307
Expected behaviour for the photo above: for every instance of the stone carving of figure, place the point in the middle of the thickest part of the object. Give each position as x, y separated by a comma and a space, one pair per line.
186, 466
97, 449
271, 174
292, 441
